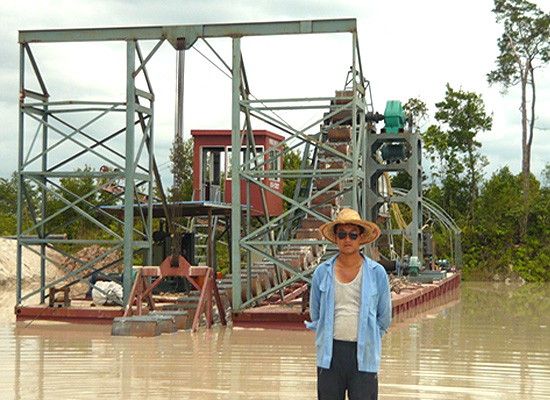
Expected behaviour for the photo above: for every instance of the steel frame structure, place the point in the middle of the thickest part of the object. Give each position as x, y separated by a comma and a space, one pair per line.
136, 166
413, 198
265, 239
45, 155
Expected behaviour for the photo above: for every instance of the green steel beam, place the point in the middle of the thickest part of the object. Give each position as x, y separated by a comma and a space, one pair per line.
129, 169
190, 32
33, 169
236, 142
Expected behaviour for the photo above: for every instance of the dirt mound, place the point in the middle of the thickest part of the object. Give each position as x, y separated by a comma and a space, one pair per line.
8, 262
31, 264
91, 253
87, 255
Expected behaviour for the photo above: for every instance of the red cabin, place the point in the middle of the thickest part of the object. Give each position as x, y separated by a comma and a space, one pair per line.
212, 159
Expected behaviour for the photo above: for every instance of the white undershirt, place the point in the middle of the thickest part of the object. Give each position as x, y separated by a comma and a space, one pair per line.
347, 302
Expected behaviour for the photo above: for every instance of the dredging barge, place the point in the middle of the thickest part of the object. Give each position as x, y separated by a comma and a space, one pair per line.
346, 162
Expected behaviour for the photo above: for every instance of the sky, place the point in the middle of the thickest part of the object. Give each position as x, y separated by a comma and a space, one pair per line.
409, 49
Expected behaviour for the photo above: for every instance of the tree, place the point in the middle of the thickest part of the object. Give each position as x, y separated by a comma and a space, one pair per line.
418, 110
8, 205
546, 176
493, 238
453, 149
181, 157
524, 46
8, 195
292, 160
70, 221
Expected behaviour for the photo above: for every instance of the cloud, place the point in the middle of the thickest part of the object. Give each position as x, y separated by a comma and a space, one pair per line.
408, 49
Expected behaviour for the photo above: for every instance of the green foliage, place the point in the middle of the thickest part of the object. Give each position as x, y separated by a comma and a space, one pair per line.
523, 47
69, 221
222, 258
8, 206
492, 239
181, 157
8, 195
453, 149
417, 109
546, 176
401, 180
292, 160
8, 224
524, 44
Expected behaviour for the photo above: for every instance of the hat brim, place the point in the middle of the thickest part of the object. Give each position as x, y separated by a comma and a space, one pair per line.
371, 233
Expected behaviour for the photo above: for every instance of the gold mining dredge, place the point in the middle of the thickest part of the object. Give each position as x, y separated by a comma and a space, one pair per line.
348, 152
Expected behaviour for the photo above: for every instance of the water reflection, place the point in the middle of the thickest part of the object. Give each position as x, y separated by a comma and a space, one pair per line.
51, 361
490, 342
495, 343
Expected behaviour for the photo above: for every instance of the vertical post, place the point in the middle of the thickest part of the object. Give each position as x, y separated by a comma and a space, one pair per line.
179, 78
415, 171
43, 210
19, 170
355, 150
211, 234
178, 139
129, 169
235, 174
149, 254
364, 133
249, 145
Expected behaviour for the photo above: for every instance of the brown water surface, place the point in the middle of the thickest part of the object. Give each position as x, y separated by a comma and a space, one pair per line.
491, 342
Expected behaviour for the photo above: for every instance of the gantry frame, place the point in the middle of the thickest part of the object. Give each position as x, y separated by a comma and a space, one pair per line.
137, 167
272, 234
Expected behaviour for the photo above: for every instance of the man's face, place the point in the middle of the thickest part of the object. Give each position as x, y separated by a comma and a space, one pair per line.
346, 244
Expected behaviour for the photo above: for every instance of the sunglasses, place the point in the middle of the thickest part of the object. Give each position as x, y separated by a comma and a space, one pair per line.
352, 235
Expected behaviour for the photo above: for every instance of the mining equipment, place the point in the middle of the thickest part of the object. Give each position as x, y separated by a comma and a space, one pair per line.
272, 237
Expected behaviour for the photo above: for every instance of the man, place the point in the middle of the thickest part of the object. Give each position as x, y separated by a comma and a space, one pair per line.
350, 309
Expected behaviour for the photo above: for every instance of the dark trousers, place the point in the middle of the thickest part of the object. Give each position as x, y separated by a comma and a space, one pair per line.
343, 375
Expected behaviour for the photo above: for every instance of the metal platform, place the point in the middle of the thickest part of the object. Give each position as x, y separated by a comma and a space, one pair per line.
180, 208
291, 316
288, 316
80, 311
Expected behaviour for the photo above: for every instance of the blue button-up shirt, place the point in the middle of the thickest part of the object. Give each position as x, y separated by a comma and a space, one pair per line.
374, 314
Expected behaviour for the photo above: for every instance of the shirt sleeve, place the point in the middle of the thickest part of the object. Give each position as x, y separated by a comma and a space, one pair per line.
314, 300
384, 302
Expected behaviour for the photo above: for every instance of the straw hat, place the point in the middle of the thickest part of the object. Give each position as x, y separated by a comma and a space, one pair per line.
349, 216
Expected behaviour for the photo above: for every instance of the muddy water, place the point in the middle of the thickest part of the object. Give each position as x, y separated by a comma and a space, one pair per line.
491, 342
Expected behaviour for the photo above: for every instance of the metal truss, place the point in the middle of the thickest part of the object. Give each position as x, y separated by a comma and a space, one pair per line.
131, 159
413, 198
53, 148
272, 234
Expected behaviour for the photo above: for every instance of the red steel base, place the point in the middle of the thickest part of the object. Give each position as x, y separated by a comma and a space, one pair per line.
292, 317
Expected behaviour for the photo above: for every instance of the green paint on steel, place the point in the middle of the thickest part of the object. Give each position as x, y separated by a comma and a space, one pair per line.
394, 116
190, 32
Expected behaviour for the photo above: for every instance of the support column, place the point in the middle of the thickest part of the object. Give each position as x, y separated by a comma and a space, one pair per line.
129, 169
356, 152
19, 170
150, 194
235, 174
43, 211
